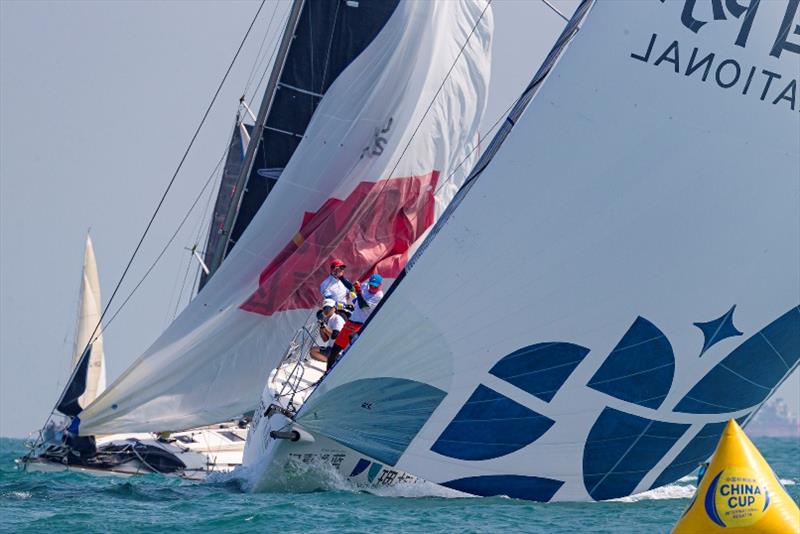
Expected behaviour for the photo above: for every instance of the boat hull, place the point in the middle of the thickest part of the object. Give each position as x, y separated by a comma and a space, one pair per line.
302, 460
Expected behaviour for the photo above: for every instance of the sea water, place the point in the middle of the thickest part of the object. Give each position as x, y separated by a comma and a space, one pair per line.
75, 502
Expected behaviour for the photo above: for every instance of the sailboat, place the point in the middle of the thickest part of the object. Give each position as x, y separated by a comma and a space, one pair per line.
365, 73
89, 309
190, 454
233, 334
617, 278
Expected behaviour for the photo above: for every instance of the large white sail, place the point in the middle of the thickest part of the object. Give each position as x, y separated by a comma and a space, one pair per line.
89, 310
617, 282
373, 170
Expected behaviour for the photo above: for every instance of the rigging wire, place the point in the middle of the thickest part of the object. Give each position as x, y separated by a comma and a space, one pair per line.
172, 181
166, 247
555, 9
261, 49
272, 54
438, 91
361, 209
97, 327
364, 208
183, 286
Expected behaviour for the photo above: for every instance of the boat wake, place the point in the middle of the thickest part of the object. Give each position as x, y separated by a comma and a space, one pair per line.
670, 491
303, 477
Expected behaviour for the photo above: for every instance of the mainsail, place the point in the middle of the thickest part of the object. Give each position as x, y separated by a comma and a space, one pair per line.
89, 309
615, 283
377, 164
327, 37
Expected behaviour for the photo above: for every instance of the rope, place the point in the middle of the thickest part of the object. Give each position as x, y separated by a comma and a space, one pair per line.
171, 182
258, 60
164, 250
557, 12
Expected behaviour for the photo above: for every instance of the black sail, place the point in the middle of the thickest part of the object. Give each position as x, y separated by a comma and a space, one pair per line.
328, 36
76, 386
225, 198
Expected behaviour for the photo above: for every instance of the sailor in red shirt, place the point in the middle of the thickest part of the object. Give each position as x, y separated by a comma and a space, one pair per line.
364, 304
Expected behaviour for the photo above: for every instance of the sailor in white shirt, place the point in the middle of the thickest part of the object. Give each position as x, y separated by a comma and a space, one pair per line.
365, 303
336, 286
330, 326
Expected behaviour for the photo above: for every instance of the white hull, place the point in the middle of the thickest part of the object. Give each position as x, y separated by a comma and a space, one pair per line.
307, 461
216, 449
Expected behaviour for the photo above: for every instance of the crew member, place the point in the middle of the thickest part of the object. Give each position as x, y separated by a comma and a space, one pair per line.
330, 326
336, 286
365, 303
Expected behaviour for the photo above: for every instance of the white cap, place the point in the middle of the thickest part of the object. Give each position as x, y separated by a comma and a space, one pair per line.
328, 303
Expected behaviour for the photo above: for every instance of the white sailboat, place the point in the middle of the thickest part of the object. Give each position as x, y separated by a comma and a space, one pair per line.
89, 310
618, 277
209, 365
190, 454
609, 286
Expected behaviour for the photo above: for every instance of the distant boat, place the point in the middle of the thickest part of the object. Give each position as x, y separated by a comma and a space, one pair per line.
89, 311
191, 454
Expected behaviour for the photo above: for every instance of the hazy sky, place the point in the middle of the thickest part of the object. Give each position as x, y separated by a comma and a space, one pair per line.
98, 101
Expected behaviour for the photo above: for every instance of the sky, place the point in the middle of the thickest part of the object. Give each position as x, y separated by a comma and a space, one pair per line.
98, 101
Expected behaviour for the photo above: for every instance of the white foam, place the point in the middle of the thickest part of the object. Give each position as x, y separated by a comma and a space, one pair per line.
418, 489
21, 495
787, 482
670, 491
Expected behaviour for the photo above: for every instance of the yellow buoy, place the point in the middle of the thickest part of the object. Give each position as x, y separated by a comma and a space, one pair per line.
739, 493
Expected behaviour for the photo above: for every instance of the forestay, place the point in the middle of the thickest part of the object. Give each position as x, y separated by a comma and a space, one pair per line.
621, 279
375, 167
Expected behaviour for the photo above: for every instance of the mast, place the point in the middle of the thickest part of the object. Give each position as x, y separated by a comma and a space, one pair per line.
258, 130
326, 37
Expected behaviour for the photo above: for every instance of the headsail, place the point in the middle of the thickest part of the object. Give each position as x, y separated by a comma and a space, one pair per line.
328, 36
89, 309
390, 133
621, 279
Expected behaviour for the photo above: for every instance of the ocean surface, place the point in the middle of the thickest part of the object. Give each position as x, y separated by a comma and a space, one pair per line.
74, 502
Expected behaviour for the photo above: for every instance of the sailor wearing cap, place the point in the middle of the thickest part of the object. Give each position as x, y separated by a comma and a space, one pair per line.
365, 303
330, 325
336, 286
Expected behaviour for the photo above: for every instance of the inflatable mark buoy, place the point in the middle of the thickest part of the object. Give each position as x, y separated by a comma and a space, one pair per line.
739, 493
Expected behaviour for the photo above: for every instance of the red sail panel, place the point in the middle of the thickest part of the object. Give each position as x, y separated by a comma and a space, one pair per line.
371, 231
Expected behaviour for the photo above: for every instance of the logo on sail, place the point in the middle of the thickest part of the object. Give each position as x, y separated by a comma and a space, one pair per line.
767, 84
372, 229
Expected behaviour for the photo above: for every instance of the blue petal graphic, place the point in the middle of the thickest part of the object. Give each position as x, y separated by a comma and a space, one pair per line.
540, 369
748, 374
640, 368
362, 464
621, 449
717, 330
490, 425
516, 486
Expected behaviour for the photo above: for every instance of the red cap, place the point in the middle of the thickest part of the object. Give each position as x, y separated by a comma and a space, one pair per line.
337, 263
